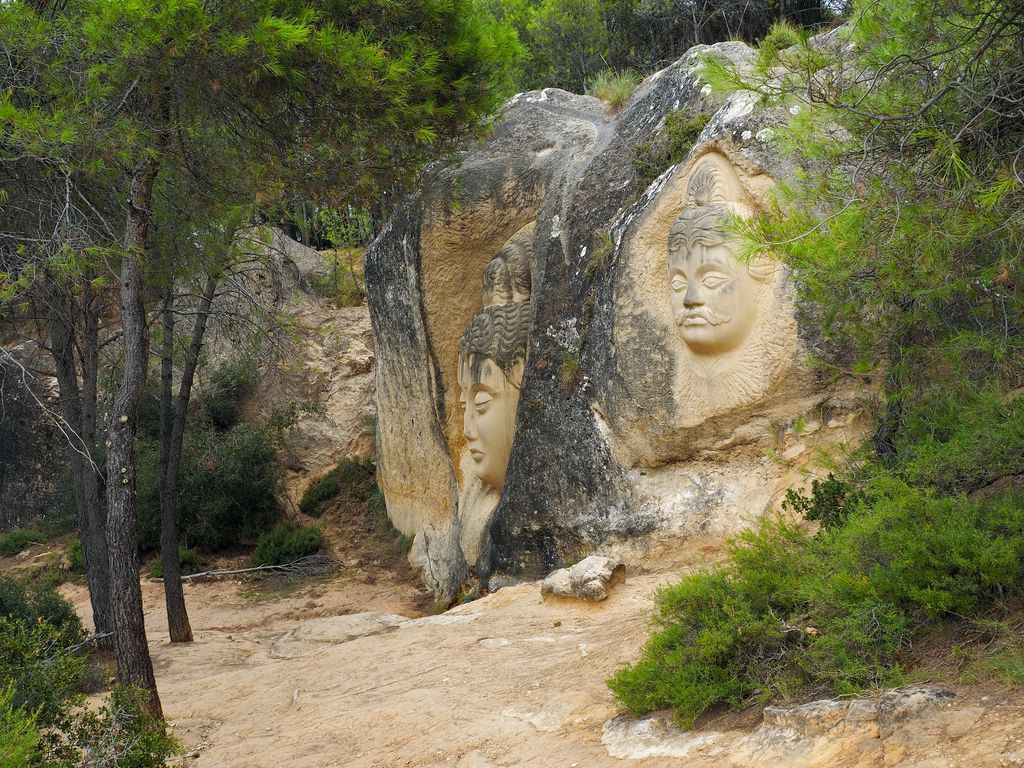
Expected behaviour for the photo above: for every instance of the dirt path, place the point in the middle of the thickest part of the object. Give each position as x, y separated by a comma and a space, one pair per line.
506, 680
509, 680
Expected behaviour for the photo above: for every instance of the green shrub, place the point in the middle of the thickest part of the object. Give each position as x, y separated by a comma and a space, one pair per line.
226, 389
677, 138
13, 542
790, 612
613, 88
42, 718
227, 492
75, 555
122, 734
34, 661
188, 559
962, 443
19, 735
353, 476
287, 542
21, 600
1009, 665
830, 502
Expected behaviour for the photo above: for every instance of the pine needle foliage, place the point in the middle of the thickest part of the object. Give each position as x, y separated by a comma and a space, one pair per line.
905, 233
907, 227
792, 613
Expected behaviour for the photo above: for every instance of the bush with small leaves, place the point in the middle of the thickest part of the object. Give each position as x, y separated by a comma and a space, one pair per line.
18, 540
287, 542
34, 602
188, 559
790, 612
228, 386
353, 476
830, 502
227, 492
75, 556
19, 734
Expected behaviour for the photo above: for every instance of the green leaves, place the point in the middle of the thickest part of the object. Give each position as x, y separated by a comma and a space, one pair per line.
790, 612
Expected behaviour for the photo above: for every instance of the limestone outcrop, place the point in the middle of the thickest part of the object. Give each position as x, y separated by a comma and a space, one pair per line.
638, 384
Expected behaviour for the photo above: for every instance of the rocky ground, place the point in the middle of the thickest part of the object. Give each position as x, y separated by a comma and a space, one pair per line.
350, 671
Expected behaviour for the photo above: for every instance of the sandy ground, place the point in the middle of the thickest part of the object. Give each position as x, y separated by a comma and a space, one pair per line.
509, 680
506, 680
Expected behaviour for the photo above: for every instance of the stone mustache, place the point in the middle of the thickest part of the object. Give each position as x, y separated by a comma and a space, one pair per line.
715, 297
492, 356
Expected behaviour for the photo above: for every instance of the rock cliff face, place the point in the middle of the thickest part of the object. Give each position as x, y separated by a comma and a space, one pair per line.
661, 391
33, 452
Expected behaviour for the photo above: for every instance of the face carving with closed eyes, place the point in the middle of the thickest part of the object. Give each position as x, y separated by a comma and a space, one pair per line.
492, 357
489, 400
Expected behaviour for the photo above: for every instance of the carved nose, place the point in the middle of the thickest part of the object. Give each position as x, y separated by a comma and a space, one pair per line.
469, 424
692, 297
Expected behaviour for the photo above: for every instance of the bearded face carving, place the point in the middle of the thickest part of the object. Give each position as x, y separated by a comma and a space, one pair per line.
492, 355
715, 297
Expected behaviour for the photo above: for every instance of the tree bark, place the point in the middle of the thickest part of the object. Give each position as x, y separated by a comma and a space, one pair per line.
96, 524
78, 409
172, 432
134, 665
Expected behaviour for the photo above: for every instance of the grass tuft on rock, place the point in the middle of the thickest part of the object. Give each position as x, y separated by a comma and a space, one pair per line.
613, 88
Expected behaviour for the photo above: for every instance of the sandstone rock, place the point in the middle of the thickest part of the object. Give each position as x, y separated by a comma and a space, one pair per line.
590, 579
333, 630
627, 738
1014, 758
557, 583
645, 406
817, 718
897, 707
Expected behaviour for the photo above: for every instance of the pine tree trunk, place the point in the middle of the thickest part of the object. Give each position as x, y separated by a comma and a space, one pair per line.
94, 540
134, 666
174, 595
176, 613
78, 409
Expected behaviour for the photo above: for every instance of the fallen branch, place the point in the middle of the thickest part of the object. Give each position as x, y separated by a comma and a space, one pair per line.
313, 565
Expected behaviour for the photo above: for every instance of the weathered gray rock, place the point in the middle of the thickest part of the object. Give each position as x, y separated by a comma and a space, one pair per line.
590, 579
639, 422
897, 707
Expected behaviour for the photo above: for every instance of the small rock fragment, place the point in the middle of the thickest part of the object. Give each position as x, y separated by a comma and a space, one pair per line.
590, 579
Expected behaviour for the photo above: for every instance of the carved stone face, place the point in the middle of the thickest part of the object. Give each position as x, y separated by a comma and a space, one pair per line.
489, 400
714, 297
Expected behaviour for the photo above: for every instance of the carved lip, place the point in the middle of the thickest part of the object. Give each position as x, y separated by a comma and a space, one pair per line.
695, 320
477, 454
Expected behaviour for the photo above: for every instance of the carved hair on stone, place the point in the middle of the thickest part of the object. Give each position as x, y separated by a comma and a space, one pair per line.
507, 277
706, 214
500, 333
492, 354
